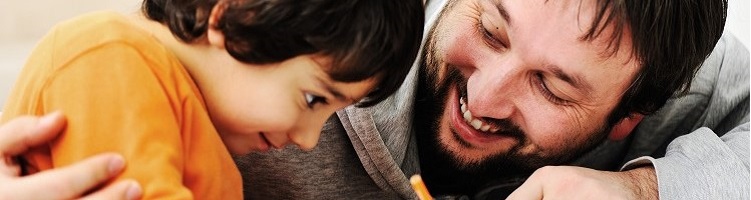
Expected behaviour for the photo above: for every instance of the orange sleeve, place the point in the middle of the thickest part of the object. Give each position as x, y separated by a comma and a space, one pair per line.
115, 102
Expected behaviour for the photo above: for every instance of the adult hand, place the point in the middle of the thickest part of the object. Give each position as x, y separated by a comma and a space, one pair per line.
69, 182
567, 182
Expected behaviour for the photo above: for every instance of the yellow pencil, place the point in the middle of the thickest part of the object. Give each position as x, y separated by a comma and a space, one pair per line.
419, 187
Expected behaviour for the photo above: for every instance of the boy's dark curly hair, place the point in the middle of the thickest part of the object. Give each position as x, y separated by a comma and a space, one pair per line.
364, 38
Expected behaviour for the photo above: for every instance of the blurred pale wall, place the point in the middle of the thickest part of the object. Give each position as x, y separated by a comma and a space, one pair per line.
22, 22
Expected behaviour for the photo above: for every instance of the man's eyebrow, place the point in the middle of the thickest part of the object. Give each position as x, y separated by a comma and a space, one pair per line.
337, 94
575, 80
503, 12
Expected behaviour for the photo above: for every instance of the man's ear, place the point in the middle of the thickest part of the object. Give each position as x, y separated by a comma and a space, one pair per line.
214, 35
624, 127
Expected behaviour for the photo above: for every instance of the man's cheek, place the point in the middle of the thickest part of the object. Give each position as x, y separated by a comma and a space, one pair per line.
461, 51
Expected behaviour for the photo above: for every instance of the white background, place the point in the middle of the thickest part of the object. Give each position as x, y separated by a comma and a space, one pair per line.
23, 22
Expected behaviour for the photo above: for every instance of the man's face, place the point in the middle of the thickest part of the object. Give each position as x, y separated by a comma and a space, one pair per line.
518, 84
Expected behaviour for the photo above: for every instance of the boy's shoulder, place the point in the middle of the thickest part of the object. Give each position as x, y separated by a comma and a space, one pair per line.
99, 27
100, 38
87, 32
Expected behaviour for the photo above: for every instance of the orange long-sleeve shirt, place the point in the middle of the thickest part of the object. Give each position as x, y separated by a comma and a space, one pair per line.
122, 91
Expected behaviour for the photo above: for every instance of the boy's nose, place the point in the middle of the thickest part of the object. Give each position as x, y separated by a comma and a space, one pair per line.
307, 138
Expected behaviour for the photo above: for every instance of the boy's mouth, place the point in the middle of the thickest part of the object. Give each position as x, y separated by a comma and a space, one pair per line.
265, 143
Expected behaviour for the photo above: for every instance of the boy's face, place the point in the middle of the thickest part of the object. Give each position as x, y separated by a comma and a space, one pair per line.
273, 105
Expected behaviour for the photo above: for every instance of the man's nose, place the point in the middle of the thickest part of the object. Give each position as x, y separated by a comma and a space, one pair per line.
493, 89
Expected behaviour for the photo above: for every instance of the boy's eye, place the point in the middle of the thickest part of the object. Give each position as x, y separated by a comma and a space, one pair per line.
312, 100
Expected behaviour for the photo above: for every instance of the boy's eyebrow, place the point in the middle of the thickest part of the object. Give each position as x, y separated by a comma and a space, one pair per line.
330, 89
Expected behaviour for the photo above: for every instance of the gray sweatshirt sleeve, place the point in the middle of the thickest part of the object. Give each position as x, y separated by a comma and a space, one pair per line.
701, 165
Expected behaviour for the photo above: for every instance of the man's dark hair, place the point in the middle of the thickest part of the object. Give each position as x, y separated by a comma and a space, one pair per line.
364, 38
670, 39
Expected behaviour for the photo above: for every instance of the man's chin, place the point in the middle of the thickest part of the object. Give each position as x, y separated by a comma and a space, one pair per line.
450, 168
463, 157
465, 144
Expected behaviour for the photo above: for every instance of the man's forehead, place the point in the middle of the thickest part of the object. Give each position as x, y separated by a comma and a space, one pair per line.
597, 26
582, 54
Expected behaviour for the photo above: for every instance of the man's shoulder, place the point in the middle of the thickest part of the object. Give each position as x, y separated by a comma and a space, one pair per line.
727, 65
719, 86
718, 99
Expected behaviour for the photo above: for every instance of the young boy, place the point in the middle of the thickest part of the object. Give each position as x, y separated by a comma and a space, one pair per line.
180, 89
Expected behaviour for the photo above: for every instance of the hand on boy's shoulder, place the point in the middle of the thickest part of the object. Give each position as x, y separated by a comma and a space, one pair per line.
22, 133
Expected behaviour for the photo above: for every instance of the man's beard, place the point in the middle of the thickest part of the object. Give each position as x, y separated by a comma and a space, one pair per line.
446, 173
443, 172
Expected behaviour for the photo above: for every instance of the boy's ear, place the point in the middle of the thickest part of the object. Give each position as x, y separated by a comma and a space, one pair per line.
624, 127
214, 35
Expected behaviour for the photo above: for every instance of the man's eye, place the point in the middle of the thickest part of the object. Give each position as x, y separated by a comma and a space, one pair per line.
488, 37
312, 100
547, 93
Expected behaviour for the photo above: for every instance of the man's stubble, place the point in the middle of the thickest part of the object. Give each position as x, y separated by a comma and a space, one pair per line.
446, 172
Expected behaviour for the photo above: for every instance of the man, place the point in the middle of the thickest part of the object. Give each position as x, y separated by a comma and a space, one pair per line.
505, 87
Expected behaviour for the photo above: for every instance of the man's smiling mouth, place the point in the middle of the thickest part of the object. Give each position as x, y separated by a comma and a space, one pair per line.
473, 121
468, 129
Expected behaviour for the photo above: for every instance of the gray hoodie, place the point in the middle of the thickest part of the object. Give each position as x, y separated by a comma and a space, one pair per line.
369, 153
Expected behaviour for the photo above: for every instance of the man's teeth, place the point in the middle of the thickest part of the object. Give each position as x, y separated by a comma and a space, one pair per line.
474, 122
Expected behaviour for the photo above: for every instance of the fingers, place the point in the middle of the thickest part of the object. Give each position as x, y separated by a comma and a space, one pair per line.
127, 190
72, 181
20, 134
532, 188
69, 182
527, 191
571, 182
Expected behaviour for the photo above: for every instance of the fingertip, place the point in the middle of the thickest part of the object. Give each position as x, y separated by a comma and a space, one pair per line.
123, 189
116, 164
23, 132
133, 191
48, 127
53, 119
